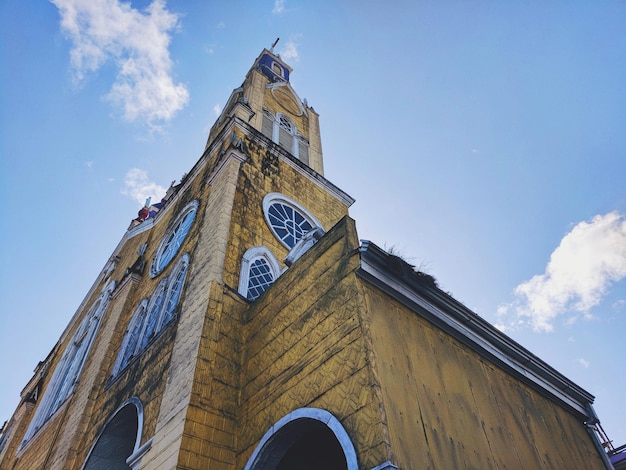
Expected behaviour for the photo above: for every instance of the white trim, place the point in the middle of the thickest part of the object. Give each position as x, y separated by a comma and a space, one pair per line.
134, 460
181, 265
385, 466
154, 269
314, 414
275, 85
272, 198
304, 244
144, 310
141, 309
221, 164
136, 448
251, 255
485, 339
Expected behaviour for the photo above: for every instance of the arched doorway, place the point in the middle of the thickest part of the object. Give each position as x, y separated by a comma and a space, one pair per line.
306, 439
117, 440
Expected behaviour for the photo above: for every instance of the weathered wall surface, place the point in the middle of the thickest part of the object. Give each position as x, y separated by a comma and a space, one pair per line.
449, 408
303, 347
262, 173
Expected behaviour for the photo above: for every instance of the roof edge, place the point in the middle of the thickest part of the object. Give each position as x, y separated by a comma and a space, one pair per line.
420, 293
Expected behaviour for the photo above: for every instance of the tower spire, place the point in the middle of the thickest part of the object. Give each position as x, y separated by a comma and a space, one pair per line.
274, 44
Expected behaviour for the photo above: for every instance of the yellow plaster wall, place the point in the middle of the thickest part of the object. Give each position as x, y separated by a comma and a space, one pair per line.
261, 174
303, 347
448, 408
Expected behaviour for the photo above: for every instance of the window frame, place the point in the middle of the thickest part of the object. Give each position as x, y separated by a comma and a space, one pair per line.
164, 255
250, 256
281, 125
146, 315
277, 198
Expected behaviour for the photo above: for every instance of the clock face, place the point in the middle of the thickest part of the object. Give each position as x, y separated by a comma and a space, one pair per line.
173, 239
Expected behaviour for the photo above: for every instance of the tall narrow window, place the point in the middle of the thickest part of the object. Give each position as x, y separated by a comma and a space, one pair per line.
284, 132
152, 315
175, 288
154, 312
130, 344
260, 278
67, 372
259, 270
173, 239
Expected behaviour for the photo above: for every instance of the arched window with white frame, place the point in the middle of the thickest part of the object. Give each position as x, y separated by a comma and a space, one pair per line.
259, 270
154, 312
173, 239
305, 438
130, 343
287, 219
68, 370
174, 290
152, 315
282, 130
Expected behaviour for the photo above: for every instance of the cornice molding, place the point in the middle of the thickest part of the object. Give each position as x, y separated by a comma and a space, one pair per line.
431, 303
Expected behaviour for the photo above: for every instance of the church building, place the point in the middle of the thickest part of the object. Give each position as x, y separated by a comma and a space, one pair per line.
240, 323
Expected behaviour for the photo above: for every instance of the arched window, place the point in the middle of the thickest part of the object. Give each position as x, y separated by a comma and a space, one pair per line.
259, 270
174, 289
130, 344
152, 315
287, 219
154, 311
117, 445
281, 129
305, 438
173, 239
67, 372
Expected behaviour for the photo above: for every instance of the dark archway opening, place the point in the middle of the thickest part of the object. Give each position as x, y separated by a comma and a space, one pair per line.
116, 443
317, 448
302, 444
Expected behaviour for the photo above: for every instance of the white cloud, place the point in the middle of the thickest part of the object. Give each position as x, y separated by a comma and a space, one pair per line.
290, 52
217, 109
619, 305
584, 362
138, 186
581, 269
279, 7
137, 42
89, 164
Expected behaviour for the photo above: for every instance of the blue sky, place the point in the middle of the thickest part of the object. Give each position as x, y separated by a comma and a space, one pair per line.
484, 141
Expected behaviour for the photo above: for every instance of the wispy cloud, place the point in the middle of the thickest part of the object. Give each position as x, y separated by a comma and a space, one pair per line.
137, 42
289, 51
584, 363
279, 7
589, 259
138, 186
217, 109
